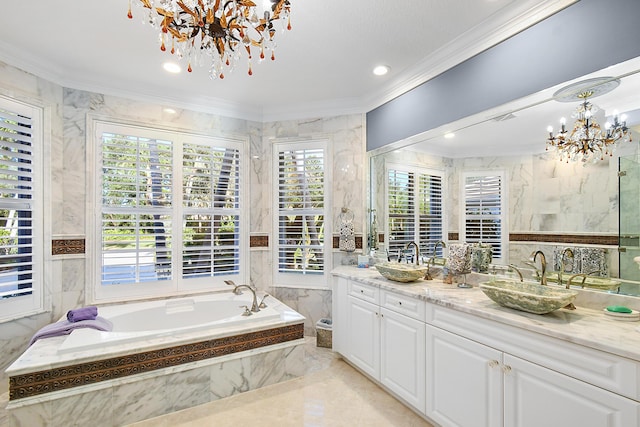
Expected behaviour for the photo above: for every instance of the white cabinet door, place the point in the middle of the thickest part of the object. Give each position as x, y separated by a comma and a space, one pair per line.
363, 336
402, 357
464, 381
537, 396
339, 292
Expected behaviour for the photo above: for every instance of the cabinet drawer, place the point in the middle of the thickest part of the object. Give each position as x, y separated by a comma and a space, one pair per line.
364, 292
411, 307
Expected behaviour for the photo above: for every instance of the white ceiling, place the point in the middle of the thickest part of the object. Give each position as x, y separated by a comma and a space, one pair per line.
323, 65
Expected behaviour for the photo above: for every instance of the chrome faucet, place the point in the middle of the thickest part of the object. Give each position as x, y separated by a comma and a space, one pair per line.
566, 251
255, 307
417, 251
543, 266
432, 260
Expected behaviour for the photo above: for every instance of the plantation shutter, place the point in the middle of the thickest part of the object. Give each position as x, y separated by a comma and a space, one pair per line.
483, 210
414, 209
301, 211
211, 215
16, 204
137, 181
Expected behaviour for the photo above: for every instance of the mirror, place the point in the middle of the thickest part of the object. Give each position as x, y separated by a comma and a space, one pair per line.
551, 204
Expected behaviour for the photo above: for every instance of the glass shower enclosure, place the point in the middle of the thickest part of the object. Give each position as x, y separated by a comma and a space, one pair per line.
629, 212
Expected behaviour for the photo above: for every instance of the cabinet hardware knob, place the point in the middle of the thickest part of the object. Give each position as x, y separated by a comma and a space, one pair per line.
506, 369
493, 363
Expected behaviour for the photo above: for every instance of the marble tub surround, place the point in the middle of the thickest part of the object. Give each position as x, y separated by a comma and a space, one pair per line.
587, 325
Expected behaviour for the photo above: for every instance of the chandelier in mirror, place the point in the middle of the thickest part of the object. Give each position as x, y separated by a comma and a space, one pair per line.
214, 31
587, 141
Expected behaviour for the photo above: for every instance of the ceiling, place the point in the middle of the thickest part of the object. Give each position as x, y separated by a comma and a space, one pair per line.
323, 66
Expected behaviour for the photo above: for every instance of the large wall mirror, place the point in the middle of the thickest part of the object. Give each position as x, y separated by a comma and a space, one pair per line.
548, 204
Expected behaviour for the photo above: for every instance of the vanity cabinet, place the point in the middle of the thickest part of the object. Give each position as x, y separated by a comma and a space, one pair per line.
363, 336
473, 384
461, 369
385, 340
464, 381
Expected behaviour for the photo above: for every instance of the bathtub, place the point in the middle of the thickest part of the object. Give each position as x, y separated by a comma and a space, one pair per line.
189, 351
170, 318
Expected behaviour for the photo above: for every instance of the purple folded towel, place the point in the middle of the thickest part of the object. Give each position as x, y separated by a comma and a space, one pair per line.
82, 313
64, 327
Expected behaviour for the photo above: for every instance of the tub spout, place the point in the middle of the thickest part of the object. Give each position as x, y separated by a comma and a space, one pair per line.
236, 290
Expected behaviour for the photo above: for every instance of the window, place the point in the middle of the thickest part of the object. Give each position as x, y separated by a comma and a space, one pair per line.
169, 217
304, 237
21, 211
415, 207
484, 212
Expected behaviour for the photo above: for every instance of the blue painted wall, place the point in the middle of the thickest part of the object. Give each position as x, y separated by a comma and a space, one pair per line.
585, 37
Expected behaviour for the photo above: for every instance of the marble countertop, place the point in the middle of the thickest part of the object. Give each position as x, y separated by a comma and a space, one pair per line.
587, 325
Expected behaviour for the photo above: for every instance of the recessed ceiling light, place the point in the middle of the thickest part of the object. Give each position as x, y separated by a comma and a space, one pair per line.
169, 110
449, 135
381, 70
171, 67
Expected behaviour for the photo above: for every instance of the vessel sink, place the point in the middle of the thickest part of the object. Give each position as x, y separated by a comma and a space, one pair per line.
400, 272
593, 282
529, 297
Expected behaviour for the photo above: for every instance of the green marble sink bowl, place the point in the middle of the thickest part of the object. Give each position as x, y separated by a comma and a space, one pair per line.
593, 282
399, 272
529, 297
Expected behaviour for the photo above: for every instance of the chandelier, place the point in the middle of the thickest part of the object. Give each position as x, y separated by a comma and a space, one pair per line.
215, 31
587, 141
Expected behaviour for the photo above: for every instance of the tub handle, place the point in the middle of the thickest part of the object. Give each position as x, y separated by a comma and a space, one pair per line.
247, 312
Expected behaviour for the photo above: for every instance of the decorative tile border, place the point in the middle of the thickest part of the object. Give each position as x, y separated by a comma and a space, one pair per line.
336, 242
67, 246
577, 239
66, 377
259, 241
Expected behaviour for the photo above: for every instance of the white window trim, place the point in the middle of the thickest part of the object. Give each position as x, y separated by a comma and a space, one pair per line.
412, 168
36, 302
504, 206
100, 294
292, 280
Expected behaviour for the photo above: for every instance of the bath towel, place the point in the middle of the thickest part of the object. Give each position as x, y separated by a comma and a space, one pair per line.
64, 327
82, 313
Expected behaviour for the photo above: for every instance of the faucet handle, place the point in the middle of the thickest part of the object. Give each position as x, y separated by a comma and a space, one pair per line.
247, 311
262, 304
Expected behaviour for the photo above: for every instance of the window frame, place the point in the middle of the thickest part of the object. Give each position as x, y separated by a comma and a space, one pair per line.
426, 249
294, 279
34, 302
504, 235
177, 285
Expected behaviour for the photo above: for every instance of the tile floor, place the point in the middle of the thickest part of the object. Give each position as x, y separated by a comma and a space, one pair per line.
330, 394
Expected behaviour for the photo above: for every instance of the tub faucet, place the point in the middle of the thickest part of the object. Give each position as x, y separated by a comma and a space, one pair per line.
566, 251
236, 290
543, 266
